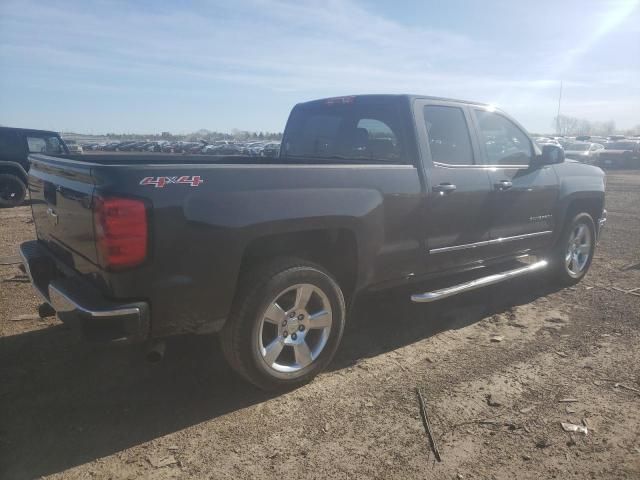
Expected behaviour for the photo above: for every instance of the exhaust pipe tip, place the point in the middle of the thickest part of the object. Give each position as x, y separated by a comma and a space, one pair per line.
155, 353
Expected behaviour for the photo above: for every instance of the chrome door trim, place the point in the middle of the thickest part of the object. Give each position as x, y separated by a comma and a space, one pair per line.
494, 241
480, 166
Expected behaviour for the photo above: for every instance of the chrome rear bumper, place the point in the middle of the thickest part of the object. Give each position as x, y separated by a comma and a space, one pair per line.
79, 303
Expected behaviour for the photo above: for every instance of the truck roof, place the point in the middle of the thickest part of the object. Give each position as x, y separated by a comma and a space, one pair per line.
30, 130
389, 98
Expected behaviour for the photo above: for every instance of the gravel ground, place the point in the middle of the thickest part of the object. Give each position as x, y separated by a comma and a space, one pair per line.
72, 410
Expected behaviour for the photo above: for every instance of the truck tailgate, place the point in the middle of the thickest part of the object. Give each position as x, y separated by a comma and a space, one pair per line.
61, 200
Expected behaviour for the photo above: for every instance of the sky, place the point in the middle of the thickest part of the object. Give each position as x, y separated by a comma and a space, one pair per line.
150, 66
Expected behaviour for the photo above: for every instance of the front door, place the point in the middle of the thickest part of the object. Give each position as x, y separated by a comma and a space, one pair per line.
523, 194
457, 213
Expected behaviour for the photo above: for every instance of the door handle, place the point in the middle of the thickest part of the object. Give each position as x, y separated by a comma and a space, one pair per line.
444, 188
51, 212
503, 185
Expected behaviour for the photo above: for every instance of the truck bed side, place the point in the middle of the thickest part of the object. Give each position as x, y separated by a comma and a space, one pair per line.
199, 234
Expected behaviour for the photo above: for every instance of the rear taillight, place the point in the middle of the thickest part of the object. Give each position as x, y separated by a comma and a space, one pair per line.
121, 232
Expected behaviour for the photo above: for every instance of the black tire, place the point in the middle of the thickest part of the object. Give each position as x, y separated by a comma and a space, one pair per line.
260, 288
12, 190
563, 273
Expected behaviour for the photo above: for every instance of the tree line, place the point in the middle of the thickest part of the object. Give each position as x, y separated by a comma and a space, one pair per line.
207, 135
566, 125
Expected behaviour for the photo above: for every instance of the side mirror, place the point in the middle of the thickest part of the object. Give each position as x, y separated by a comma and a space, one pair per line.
551, 154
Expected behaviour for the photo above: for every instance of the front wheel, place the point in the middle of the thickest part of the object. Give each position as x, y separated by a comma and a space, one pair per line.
286, 325
575, 248
12, 190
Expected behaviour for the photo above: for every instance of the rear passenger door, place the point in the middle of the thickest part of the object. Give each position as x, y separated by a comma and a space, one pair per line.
523, 193
457, 212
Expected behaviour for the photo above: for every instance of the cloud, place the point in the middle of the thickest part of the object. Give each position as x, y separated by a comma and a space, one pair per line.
278, 45
301, 49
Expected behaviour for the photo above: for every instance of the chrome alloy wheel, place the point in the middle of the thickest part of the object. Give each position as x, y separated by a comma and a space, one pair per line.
294, 328
578, 250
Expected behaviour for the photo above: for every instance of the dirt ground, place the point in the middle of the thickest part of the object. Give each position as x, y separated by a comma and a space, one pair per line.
72, 410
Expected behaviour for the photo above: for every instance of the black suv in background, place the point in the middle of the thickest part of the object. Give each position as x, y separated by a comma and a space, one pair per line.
15, 146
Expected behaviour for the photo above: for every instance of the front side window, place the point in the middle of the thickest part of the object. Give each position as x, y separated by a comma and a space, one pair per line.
46, 144
504, 143
448, 134
322, 132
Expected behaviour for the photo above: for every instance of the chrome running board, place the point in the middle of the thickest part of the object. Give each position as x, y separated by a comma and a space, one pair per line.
427, 297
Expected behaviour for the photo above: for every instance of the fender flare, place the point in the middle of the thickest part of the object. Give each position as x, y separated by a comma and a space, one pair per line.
21, 172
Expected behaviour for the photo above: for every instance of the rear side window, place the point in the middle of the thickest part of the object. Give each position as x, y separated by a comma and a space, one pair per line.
10, 144
45, 144
449, 140
327, 131
503, 141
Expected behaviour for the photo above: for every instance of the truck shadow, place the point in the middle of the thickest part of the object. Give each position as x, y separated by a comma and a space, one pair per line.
64, 403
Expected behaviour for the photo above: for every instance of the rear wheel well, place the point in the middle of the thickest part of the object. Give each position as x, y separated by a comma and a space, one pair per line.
11, 170
333, 249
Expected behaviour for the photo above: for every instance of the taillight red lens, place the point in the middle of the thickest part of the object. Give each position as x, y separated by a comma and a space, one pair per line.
121, 232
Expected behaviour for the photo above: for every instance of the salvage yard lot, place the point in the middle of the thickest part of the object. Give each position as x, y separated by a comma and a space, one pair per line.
495, 366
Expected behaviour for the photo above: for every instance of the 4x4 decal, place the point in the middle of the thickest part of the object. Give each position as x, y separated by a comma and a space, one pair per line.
160, 182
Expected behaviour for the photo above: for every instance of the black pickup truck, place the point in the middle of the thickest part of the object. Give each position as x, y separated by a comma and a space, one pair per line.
368, 192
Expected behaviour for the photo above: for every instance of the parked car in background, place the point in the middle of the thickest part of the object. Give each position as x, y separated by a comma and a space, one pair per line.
91, 146
255, 148
615, 138
585, 152
225, 149
600, 140
620, 154
73, 147
157, 146
271, 150
110, 147
15, 146
547, 141
168, 147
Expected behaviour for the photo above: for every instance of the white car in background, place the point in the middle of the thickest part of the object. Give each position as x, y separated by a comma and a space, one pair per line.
74, 147
547, 141
585, 152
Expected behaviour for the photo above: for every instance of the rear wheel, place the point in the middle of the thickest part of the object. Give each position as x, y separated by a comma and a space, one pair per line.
12, 190
574, 252
286, 326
